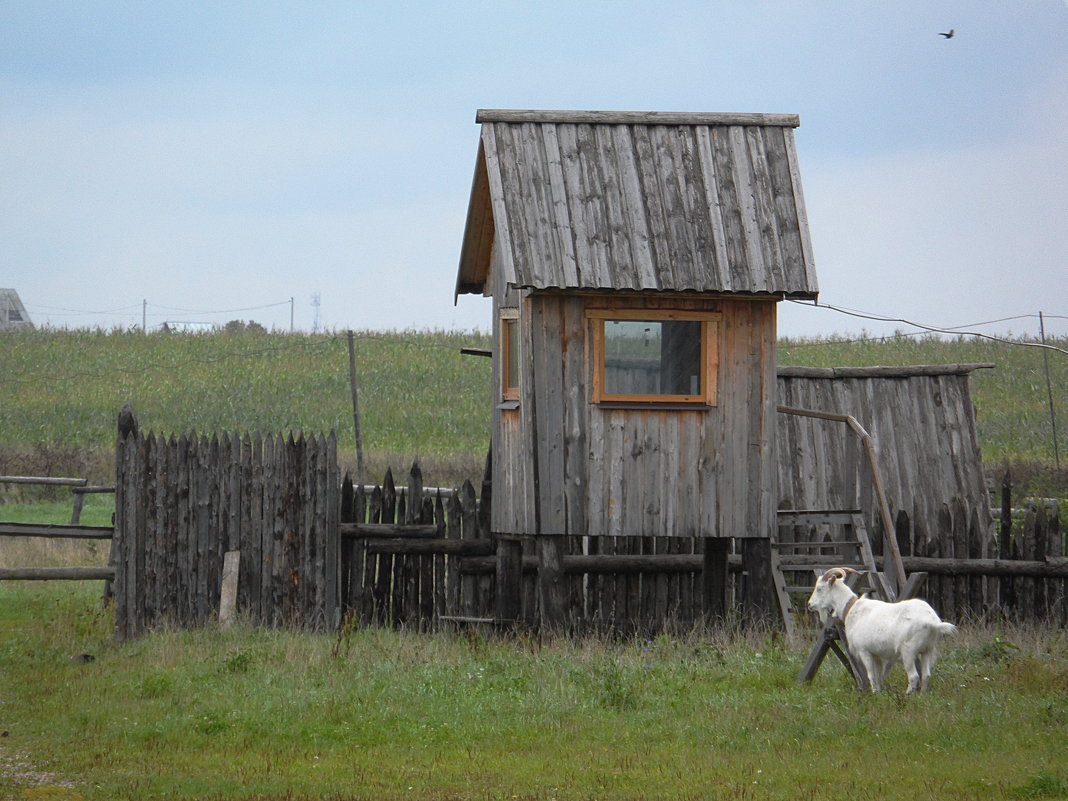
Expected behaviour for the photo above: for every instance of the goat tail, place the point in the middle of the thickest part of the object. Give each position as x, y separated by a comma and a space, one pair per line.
946, 628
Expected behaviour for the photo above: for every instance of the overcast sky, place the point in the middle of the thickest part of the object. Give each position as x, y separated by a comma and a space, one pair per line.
216, 157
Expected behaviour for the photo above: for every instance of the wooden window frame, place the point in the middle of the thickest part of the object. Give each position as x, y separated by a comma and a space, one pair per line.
509, 340
709, 357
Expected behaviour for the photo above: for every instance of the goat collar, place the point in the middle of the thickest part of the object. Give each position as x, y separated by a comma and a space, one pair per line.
848, 608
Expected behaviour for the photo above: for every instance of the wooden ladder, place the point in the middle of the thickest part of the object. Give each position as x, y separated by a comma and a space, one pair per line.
850, 548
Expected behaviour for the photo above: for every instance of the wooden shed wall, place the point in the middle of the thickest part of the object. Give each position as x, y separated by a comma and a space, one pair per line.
923, 426
563, 465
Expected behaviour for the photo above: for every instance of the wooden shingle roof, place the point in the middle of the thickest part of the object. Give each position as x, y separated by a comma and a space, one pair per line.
661, 201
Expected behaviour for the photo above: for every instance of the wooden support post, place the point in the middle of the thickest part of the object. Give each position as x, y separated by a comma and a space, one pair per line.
759, 604
228, 592
509, 578
551, 586
714, 578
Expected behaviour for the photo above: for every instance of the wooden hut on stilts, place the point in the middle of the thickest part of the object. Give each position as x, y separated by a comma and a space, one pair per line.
635, 261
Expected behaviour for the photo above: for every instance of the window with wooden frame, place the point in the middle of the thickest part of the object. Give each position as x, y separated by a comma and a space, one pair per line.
654, 356
509, 355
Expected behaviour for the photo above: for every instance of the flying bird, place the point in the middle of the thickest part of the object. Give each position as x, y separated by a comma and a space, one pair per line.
950, 34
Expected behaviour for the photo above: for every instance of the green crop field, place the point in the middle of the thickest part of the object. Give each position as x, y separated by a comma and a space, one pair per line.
418, 396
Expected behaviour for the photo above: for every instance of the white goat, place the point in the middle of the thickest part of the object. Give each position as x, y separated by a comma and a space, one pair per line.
878, 633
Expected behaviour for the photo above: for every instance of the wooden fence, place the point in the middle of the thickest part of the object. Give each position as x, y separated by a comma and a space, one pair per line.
182, 503
418, 558
316, 549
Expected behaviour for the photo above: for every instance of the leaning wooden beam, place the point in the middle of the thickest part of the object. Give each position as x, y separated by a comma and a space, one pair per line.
45, 481
56, 530
56, 573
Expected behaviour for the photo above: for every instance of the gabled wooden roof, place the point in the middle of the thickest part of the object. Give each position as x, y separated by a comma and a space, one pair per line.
662, 201
12, 313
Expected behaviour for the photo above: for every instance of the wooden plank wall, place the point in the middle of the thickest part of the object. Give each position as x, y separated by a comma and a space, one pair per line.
568, 467
928, 448
182, 502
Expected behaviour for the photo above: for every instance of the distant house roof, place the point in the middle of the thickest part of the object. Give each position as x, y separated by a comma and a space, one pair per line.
659, 201
12, 313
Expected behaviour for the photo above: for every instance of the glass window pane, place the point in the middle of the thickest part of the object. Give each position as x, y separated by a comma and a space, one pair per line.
652, 357
511, 356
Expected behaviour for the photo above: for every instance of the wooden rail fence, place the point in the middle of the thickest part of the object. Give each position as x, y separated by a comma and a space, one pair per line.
315, 549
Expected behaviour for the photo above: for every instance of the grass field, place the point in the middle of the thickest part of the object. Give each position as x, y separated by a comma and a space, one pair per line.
248, 714
419, 398
376, 714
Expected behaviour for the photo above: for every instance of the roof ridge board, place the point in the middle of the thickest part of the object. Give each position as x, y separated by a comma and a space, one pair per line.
484, 115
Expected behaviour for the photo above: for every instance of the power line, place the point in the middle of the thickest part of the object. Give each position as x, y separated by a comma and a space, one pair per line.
221, 311
935, 329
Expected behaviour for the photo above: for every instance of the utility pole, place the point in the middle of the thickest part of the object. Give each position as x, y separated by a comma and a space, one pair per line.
355, 407
291, 315
1049, 391
144, 316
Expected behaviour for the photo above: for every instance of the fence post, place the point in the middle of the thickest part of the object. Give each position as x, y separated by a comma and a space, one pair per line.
1006, 596
551, 590
509, 578
714, 578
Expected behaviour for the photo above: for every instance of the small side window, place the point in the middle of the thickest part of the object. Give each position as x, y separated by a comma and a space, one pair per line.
509, 358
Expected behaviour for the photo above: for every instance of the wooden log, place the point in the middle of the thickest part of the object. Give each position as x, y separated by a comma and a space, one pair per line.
56, 573
46, 481
56, 530
395, 531
906, 371
609, 564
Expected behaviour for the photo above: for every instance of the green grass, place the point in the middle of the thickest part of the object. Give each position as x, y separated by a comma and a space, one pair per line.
419, 398
248, 714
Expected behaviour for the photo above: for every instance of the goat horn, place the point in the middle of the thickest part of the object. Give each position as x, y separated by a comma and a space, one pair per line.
835, 573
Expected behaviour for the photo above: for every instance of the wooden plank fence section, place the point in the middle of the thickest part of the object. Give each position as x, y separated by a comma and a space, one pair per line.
182, 503
314, 548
